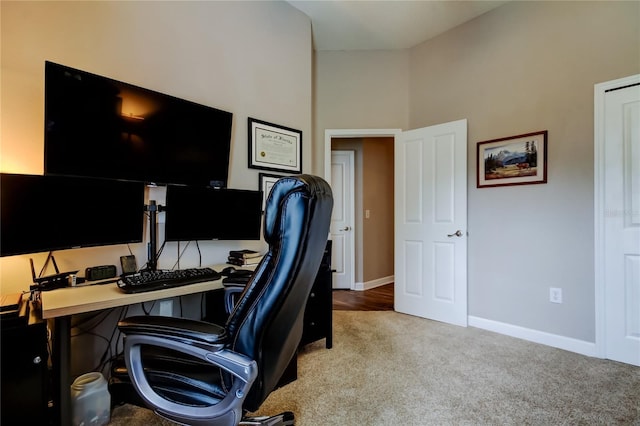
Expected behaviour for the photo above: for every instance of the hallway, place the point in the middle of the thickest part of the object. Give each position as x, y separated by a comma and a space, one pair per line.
375, 299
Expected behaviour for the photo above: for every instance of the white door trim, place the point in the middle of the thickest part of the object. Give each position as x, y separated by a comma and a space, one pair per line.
599, 162
350, 133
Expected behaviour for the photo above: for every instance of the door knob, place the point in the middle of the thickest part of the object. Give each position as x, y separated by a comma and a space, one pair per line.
458, 233
346, 228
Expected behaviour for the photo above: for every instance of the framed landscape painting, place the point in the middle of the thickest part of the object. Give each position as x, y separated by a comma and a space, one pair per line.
515, 160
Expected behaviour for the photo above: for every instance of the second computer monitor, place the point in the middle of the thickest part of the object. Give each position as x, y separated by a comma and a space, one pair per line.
199, 214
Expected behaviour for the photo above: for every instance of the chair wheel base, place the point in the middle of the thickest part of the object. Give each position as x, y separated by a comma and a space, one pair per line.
282, 419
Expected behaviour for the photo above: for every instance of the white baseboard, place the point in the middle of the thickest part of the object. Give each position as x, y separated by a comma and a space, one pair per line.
561, 342
374, 283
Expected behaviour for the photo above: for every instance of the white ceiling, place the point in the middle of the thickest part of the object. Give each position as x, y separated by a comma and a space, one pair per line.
381, 25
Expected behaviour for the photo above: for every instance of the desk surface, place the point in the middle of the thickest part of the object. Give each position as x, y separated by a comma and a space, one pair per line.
77, 300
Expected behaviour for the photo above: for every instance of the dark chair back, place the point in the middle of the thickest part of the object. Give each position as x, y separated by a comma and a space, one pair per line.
266, 323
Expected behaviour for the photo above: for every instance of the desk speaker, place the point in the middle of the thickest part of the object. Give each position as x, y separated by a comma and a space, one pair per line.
97, 273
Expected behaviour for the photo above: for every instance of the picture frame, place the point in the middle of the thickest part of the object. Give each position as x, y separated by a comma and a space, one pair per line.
274, 147
265, 182
514, 160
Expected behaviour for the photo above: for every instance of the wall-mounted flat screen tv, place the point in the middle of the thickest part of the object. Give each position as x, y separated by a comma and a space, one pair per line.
195, 213
99, 127
45, 213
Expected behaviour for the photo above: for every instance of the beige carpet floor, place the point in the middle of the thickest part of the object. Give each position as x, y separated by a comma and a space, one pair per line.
391, 369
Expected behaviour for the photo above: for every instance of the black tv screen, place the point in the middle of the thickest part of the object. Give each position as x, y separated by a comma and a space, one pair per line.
194, 213
99, 127
44, 213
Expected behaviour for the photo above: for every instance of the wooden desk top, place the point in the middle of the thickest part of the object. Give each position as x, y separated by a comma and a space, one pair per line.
77, 300
87, 298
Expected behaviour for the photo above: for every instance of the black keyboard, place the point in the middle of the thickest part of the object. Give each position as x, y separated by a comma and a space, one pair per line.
158, 280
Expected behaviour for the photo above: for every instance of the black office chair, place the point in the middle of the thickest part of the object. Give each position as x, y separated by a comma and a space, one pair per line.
199, 373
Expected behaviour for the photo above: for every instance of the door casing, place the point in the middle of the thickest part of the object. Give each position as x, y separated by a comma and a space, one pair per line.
600, 90
330, 134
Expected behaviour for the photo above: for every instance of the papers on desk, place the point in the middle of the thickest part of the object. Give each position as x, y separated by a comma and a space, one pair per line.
244, 257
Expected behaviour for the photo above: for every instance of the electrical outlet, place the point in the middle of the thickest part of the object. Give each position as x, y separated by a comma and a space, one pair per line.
555, 295
367, 214
166, 308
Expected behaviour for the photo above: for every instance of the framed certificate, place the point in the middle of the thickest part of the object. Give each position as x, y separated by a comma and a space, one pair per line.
265, 183
273, 147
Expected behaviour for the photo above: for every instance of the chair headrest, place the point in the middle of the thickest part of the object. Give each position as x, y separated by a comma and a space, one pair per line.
313, 185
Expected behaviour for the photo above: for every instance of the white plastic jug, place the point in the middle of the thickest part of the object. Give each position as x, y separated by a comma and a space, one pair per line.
90, 400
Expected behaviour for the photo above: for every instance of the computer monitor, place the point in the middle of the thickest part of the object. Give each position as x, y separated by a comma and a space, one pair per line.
199, 213
104, 128
45, 213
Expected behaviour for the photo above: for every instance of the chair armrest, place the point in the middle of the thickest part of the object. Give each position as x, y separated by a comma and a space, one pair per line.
230, 290
182, 328
199, 340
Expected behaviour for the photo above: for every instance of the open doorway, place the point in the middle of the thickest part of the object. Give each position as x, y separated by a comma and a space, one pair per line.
430, 256
373, 223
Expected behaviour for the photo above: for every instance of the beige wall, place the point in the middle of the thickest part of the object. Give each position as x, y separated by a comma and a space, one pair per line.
251, 58
523, 67
377, 198
358, 90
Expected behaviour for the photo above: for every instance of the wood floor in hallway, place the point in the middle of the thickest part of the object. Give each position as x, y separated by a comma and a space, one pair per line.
375, 299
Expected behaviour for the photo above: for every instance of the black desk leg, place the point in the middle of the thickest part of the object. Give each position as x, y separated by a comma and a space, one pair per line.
61, 360
329, 338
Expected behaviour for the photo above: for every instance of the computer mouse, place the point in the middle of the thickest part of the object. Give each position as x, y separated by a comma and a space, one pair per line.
228, 271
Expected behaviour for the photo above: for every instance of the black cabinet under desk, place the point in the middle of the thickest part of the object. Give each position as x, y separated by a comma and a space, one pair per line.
318, 314
24, 370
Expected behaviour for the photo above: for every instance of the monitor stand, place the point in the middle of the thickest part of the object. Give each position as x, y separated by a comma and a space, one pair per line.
152, 255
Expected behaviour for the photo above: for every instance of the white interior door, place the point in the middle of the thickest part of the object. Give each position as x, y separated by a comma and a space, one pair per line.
431, 222
622, 224
342, 219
